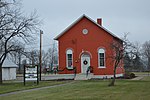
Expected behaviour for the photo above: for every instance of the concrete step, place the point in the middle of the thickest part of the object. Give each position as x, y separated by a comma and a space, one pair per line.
83, 76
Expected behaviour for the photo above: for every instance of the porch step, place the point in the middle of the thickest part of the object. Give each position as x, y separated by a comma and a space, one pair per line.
83, 76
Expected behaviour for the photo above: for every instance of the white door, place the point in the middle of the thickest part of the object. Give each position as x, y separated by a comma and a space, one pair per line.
85, 63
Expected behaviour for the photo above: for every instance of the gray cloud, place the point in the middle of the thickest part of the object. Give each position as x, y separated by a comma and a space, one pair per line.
118, 16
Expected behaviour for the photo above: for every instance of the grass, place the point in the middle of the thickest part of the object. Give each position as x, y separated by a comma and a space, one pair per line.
91, 90
11, 86
142, 73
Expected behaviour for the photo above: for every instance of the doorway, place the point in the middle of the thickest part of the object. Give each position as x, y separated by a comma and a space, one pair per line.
85, 62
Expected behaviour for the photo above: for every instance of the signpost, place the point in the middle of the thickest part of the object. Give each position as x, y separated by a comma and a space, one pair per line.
31, 73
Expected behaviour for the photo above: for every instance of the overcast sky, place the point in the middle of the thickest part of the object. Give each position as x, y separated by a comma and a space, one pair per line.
118, 16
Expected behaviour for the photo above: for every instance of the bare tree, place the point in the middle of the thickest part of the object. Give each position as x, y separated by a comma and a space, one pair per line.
16, 56
119, 47
132, 58
137, 62
3, 3
52, 54
34, 55
45, 58
146, 48
14, 28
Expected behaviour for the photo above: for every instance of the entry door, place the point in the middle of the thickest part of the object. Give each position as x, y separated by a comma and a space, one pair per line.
85, 63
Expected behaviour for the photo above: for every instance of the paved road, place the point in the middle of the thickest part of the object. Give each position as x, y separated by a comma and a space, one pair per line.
35, 89
51, 77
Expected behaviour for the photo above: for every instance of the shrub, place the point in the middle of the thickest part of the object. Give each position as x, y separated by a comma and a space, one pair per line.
129, 75
126, 75
132, 75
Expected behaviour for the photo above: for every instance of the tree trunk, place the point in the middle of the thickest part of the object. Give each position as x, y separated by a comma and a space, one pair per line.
1, 81
1, 63
19, 69
114, 78
148, 67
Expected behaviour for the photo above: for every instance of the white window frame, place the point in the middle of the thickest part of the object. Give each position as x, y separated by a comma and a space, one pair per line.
69, 51
101, 50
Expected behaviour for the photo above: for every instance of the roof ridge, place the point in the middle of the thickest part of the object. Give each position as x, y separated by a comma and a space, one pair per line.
91, 21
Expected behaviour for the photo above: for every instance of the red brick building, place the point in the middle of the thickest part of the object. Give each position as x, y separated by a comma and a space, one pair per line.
87, 43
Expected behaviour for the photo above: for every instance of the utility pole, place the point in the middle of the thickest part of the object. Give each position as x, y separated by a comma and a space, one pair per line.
41, 32
19, 54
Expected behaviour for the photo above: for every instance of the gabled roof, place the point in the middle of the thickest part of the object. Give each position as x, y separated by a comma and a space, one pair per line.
9, 64
62, 33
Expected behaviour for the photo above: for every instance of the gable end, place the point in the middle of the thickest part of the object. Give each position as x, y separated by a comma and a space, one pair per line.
62, 33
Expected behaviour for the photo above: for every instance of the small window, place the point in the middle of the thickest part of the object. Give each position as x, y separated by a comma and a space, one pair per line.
101, 58
69, 58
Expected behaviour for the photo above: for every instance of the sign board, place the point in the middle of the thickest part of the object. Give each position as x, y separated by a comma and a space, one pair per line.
31, 73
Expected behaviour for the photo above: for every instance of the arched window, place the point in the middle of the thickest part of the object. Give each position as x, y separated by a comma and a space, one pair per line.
69, 58
101, 58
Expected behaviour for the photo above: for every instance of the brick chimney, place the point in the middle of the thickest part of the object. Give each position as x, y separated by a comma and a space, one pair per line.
99, 21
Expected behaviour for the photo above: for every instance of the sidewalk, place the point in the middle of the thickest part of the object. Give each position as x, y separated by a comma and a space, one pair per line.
137, 78
35, 89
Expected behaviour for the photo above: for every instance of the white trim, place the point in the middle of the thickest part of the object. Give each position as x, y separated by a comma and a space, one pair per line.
85, 52
99, 58
56, 38
85, 31
69, 27
70, 67
101, 66
69, 51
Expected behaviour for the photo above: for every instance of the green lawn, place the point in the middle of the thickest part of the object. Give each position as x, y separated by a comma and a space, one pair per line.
142, 73
10, 86
91, 90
